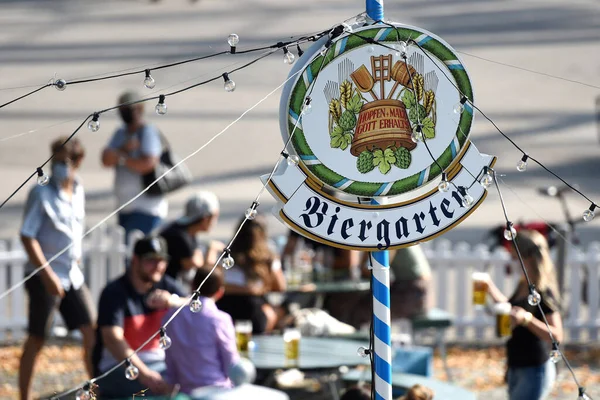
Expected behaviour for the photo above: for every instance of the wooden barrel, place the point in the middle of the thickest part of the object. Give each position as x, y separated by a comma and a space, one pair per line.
382, 123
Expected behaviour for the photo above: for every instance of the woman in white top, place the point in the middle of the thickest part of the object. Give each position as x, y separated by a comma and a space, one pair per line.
257, 271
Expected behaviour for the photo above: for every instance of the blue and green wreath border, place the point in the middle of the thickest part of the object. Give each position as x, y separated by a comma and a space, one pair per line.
350, 42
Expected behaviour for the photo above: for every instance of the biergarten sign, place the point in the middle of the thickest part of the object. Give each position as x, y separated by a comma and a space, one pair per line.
381, 127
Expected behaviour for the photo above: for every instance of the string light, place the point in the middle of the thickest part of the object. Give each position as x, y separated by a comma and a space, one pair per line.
522, 164
288, 56
403, 49
228, 261
363, 352
534, 298
84, 393
195, 304
589, 214
582, 394
229, 85
233, 40
251, 211
460, 106
486, 179
94, 124
165, 341
161, 107
131, 372
510, 233
444, 185
299, 50
60, 84
307, 107
417, 134
555, 355
467, 199
292, 160
42, 178
149, 81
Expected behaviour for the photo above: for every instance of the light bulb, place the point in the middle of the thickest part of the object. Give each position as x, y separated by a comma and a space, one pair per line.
555, 355
487, 179
60, 84
403, 48
589, 214
299, 50
149, 81
288, 56
83, 394
94, 124
229, 85
347, 27
361, 18
228, 262
460, 106
510, 232
467, 199
444, 185
522, 164
534, 298
42, 178
293, 160
131, 372
416, 136
195, 305
161, 107
251, 213
233, 39
583, 395
165, 341
307, 107
363, 352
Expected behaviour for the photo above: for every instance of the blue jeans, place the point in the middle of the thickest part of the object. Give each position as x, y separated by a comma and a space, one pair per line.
140, 221
116, 386
531, 383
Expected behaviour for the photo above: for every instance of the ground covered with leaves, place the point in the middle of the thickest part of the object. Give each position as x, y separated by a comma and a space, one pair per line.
480, 370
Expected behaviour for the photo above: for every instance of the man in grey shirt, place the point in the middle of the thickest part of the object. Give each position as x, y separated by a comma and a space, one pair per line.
53, 220
134, 151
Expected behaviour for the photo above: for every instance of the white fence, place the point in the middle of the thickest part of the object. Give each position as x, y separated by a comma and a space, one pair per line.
452, 265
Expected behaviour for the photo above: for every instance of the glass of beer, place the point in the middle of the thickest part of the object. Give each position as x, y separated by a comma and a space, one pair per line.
503, 326
291, 342
243, 335
479, 288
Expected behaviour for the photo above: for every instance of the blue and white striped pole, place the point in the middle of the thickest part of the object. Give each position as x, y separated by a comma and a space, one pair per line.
375, 9
382, 327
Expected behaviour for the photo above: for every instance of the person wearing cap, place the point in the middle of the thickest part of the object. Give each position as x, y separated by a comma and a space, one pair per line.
130, 310
201, 214
134, 151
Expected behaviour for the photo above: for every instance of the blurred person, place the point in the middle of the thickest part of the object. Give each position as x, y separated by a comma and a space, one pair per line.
185, 256
134, 150
356, 393
131, 309
204, 344
531, 374
257, 271
418, 392
54, 219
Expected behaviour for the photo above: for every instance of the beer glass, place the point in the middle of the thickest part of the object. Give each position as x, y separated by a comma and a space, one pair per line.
503, 327
243, 335
291, 341
479, 288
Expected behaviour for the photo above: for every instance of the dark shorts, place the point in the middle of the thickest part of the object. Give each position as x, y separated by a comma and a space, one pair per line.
76, 307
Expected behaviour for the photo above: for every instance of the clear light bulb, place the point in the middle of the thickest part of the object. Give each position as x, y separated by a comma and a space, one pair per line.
293, 160
534, 298
94, 124
131, 372
161, 107
460, 106
347, 27
444, 185
42, 178
60, 84
149, 81
510, 232
589, 214
467, 199
229, 85
522, 164
288, 56
403, 46
228, 262
233, 39
583, 395
195, 305
555, 355
487, 179
165, 341
83, 394
363, 352
251, 213
307, 106
417, 136
361, 18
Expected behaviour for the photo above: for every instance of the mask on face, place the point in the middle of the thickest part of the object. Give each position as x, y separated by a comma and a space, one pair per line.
60, 172
126, 114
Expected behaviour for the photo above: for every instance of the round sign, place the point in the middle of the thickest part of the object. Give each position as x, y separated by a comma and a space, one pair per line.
383, 120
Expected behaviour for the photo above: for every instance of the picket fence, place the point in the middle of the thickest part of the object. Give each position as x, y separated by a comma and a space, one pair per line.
452, 265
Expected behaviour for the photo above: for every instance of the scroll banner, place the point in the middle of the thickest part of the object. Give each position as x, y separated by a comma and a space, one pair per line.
304, 208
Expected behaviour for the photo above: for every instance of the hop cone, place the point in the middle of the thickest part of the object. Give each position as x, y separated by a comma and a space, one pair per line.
403, 158
347, 121
345, 93
364, 162
335, 109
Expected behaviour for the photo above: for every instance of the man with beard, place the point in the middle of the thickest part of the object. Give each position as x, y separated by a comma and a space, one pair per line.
134, 151
131, 309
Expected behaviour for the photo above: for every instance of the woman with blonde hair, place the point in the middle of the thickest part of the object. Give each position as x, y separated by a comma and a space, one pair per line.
418, 392
531, 373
